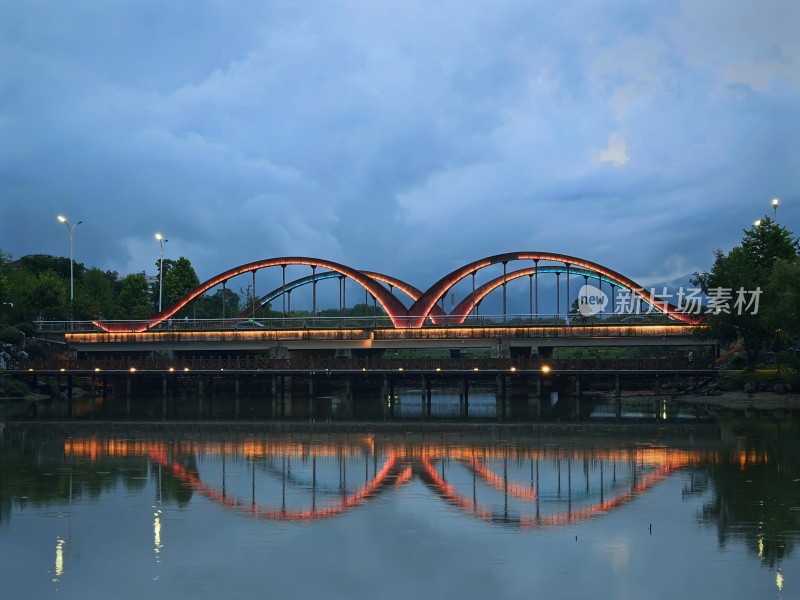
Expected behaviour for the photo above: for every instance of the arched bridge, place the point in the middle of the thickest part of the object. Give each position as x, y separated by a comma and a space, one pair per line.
423, 307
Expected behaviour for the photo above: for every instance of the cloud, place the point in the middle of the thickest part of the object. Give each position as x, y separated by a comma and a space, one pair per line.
396, 138
615, 152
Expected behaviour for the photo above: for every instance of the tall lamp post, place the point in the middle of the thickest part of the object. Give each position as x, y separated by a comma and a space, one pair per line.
161, 242
775, 203
71, 229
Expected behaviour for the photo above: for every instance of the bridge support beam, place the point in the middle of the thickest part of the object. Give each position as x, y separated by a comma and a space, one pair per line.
422, 385
464, 398
428, 398
311, 399
163, 397
105, 396
200, 397
391, 399
282, 386
385, 397
236, 397
70, 412
347, 398
93, 401
534, 404
501, 398
538, 412
128, 397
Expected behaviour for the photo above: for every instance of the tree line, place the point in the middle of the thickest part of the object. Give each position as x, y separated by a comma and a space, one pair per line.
37, 286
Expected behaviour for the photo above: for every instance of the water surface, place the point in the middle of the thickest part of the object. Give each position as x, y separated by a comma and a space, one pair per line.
113, 512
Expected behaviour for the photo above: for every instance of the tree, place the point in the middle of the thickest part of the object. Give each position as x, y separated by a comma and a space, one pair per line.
39, 263
783, 291
132, 302
179, 280
748, 267
210, 307
44, 295
96, 293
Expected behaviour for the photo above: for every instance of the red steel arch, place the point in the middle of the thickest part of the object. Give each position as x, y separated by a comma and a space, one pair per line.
413, 292
420, 310
393, 307
425, 303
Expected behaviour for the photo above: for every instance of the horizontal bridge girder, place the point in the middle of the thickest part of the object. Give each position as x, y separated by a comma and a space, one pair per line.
645, 335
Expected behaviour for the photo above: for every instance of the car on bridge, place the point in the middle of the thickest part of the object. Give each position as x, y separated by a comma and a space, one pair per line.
249, 324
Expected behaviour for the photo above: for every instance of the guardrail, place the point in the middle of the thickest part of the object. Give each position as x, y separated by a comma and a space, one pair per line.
365, 322
232, 364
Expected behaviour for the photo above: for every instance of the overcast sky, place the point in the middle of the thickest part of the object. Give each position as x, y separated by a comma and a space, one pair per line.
405, 137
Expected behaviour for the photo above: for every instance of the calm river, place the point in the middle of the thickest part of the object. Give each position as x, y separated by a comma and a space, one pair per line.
127, 512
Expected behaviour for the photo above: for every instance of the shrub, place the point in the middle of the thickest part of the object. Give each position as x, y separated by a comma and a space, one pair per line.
10, 335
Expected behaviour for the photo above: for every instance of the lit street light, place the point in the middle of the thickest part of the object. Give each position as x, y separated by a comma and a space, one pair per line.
757, 223
71, 229
775, 203
161, 242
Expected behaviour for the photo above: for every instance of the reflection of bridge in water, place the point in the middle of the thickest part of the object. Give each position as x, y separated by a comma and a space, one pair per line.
307, 481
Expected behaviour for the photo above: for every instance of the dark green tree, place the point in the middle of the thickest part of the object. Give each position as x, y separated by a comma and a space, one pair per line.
179, 279
43, 295
39, 263
749, 267
133, 298
98, 289
210, 307
783, 292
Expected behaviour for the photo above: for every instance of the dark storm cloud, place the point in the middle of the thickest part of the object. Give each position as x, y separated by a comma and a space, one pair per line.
406, 139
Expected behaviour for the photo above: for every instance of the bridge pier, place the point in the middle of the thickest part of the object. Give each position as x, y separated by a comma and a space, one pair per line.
428, 400
236, 397
128, 397
501, 398
464, 398
385, 398
391, 399
422, 397
70, 412
347, 398
535, 401
311, 403
200, 397
105, 396
282, 385
163, 397
94, 397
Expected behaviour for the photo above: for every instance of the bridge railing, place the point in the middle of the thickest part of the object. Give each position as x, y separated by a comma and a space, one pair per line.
362, 322
360, 364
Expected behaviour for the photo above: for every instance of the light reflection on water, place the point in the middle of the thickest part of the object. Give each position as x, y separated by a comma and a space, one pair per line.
362, 515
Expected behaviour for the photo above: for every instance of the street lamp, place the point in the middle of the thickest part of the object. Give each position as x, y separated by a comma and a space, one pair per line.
775, 203
757, 223
71, 229
161, 242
